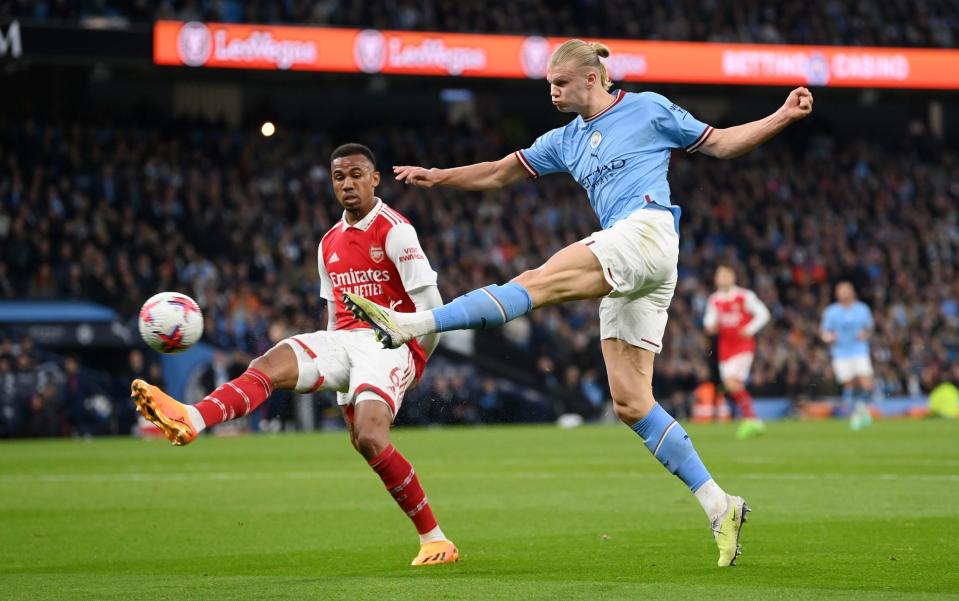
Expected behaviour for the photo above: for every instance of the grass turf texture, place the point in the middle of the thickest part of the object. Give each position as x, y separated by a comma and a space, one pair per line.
538, 513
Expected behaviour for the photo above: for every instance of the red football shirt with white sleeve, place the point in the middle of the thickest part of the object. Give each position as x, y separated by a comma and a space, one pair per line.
379, 258
734, 313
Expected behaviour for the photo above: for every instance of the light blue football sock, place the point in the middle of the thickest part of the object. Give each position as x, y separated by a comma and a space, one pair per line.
848, 399
482, 309
669, 443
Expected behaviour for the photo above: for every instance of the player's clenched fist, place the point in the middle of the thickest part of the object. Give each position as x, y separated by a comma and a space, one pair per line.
418, 176
798, 104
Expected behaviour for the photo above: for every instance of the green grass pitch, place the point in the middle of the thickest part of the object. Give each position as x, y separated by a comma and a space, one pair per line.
537, 512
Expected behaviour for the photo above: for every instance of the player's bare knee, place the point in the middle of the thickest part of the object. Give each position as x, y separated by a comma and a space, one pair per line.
545, 287
629, 413
633, 406
370, 442
261, 363
535, 284
279, 364
527, 278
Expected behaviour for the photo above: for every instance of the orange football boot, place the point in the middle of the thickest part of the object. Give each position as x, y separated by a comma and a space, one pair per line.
436, 553
163, 410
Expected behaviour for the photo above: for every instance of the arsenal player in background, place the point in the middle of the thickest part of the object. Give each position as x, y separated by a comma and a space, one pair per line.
373, 251
735, 314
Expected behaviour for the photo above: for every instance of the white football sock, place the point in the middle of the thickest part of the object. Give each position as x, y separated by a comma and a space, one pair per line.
418, 324
196, 418
432, 536
712, 498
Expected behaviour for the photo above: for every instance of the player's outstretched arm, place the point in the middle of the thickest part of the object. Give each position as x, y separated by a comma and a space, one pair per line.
736, 141
479, 176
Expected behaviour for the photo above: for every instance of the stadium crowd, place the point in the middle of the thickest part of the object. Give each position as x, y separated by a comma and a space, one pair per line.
925, 23
114, 215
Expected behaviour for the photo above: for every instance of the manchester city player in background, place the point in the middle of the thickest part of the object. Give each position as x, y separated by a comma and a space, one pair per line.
846, 327
618, 148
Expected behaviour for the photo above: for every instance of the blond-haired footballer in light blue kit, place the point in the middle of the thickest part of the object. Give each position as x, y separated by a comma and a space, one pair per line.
618, 148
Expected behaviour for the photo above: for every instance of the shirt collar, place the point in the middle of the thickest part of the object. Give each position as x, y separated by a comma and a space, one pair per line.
585, 121
364, 224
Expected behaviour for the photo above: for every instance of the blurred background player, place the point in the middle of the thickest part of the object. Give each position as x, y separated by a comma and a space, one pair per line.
846, 327
618, 148
375, 251
734, 315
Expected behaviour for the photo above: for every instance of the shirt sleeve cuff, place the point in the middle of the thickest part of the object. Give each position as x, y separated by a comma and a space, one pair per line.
533, 174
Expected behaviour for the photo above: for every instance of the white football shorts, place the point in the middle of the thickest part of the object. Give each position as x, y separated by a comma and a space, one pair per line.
354, 364
852, 367
639, 255
736, 367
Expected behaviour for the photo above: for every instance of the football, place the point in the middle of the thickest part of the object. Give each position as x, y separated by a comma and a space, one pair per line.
170, 322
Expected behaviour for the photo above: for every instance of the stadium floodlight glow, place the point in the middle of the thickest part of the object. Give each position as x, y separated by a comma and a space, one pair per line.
267, 129
339, 50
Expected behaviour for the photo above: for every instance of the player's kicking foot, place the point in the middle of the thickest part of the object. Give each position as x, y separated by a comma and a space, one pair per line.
750, 428
860, 417
382, 320
163, 410
727, 528
436, 553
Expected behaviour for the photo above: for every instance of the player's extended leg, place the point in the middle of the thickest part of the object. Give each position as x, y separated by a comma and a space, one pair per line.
370, 434
182, 423
851, 402
630, 370
864, 386
751, 424
573, 273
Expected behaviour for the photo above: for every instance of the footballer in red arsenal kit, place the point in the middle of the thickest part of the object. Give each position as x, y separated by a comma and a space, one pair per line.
373, 251
735, 314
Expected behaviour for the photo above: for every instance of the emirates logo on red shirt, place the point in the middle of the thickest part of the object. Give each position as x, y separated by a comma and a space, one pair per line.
376, 253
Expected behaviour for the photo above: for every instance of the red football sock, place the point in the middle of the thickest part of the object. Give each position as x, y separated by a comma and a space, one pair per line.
236, 398
400, 479
745, 403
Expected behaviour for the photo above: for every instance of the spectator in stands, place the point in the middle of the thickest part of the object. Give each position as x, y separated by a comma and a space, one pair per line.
842, 22
75, 392
11, 413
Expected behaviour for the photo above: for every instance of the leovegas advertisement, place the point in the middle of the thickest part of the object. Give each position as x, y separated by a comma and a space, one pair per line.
197, 44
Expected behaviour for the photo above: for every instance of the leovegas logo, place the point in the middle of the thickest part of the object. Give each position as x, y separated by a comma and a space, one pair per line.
198, 44
194, 44
369, 51
534, 56
626, 65
535, 53
376, 51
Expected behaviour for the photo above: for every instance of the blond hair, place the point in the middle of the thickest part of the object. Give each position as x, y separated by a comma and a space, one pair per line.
583, 54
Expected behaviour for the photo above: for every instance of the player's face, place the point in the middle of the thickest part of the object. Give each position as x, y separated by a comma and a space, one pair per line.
354, 182
845, 292
725, 278
568, 87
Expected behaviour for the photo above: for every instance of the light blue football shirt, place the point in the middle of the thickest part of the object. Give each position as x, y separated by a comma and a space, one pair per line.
621, 154
846, 323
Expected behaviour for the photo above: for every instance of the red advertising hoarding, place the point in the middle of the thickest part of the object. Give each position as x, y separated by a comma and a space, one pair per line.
329, 49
